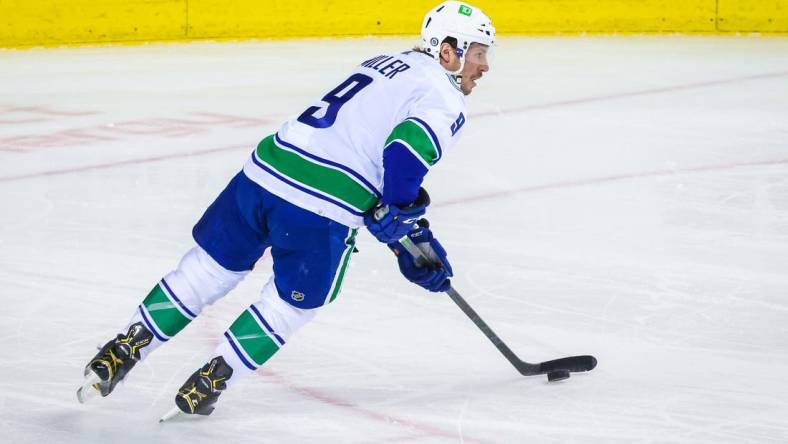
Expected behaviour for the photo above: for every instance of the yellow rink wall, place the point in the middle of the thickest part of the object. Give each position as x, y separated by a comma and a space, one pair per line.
49, 22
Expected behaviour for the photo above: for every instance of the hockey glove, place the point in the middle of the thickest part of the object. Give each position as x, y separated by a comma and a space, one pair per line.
388, 223
433, 276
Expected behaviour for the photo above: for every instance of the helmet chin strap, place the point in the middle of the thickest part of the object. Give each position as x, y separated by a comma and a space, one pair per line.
457, 75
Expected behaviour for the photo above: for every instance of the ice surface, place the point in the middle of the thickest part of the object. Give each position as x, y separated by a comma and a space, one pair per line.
625, 197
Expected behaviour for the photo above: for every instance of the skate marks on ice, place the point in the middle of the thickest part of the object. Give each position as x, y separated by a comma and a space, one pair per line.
669, 250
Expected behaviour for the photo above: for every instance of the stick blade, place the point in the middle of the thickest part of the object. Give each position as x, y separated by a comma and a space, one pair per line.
582, 363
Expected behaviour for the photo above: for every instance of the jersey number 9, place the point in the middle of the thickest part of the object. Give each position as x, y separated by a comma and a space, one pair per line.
335, 99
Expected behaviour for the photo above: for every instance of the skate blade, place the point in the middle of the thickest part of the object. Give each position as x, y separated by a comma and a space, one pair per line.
88, 390
175, 412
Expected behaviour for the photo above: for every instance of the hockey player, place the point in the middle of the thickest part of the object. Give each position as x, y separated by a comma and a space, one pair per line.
354, 158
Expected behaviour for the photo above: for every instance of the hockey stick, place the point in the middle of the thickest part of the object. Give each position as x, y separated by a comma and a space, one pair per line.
556, 369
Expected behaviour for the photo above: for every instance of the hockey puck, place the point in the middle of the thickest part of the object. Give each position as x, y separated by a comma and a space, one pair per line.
558, 375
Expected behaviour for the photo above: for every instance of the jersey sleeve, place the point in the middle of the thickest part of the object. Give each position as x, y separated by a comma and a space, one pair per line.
418, 143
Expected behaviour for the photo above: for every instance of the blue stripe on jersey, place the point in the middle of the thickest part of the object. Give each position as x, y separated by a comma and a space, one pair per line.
267, 327
172, 293
329, 162
151, 327
238, 352
304, 189
432, 135
402, 175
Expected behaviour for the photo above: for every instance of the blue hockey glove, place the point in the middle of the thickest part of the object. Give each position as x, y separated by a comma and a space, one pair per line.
433, 276
389, 223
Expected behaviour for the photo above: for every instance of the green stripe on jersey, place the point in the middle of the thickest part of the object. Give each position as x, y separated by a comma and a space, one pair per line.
252, 339
337, 285
414, 135
163, 312
329, 181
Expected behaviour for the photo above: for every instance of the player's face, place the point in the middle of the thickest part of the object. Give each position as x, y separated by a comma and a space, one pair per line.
477, 62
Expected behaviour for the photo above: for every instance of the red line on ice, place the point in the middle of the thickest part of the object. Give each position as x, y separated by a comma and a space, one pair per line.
103, 166
170, 127
21, 121
623, 95
426, 429
45, 110
605, 179
421, 430
481, 114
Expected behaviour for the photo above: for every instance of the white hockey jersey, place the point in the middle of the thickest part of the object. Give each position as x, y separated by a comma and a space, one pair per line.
329, 159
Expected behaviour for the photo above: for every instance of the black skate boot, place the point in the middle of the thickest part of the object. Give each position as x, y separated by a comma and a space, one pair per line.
114, 360
203, 387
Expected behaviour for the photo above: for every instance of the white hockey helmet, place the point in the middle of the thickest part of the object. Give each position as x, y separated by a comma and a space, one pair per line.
459, 20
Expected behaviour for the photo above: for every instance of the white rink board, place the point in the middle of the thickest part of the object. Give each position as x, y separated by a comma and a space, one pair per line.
625, 197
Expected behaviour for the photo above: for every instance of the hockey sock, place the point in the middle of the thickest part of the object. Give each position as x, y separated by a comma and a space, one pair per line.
260, 331
182, 294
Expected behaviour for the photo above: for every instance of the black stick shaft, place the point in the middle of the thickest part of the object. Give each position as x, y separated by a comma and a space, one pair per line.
571, 363
471, 313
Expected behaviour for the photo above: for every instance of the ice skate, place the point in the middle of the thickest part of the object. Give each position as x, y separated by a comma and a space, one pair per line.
198, 394
113, 362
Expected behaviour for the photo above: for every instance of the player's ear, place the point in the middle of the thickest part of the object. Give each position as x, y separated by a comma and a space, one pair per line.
446, 51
